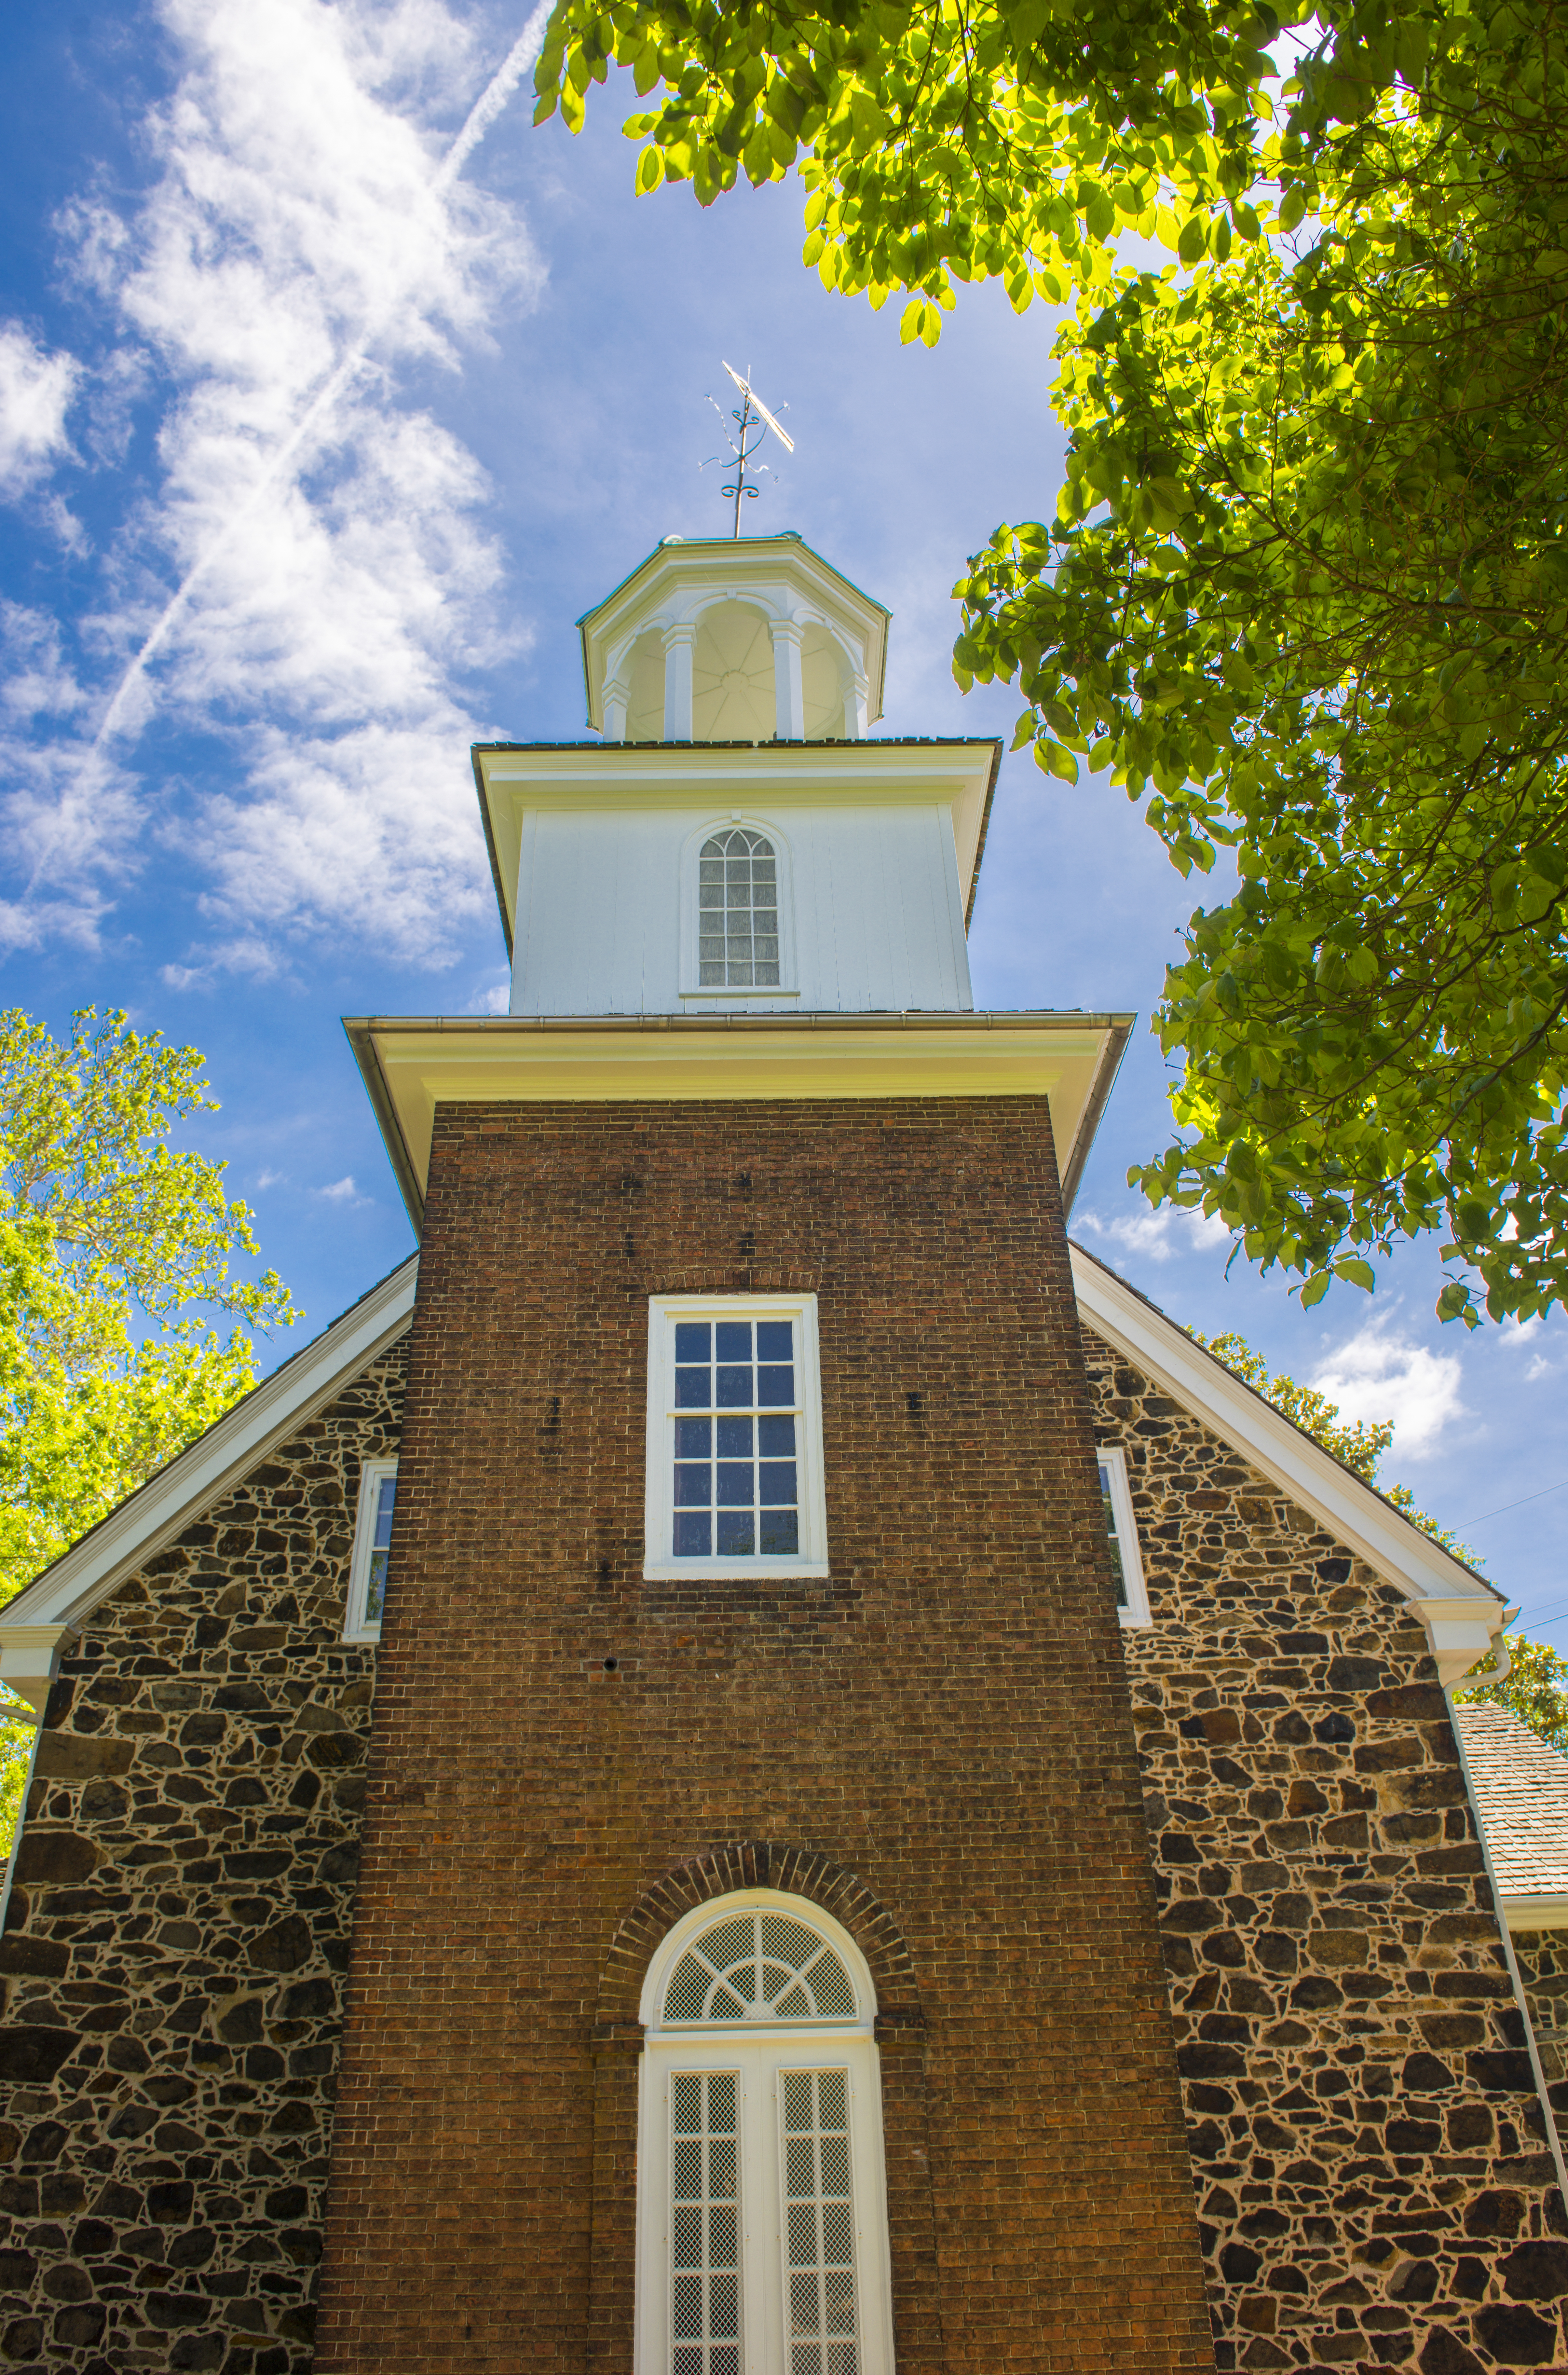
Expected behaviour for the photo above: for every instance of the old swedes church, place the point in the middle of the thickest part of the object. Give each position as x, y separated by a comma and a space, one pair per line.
753, 1766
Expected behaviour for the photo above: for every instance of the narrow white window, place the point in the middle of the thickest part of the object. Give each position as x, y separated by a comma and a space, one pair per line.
372, 1538
819, 2207
1132, 1597
735, 1437
737, 912
762, 2233
704, 2222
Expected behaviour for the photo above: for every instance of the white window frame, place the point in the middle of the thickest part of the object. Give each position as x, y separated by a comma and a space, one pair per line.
788, 983
372, 1473
1113, 1459
660, 1564
759, 2052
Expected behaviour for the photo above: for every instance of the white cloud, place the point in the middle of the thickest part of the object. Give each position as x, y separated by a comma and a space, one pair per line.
494, 1000
36, 389
1158, 1235
342, 1192
312, 576
271, 1179
37, 680
1380, 1373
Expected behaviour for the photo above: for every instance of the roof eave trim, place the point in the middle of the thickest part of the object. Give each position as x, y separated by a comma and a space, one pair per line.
483, 790
67, 1592
1356, 1514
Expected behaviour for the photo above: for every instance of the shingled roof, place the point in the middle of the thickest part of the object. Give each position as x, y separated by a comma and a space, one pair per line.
1521, 1790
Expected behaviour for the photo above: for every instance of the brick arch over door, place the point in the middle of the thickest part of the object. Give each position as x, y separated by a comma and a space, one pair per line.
799, 1872
901, 2037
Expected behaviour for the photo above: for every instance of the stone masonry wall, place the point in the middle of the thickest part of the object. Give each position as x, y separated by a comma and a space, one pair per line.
178, 1931
1542, 1958
1367, 2149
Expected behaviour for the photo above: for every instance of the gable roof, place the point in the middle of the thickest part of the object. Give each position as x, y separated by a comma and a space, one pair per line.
1461, 1610
34, 1625
1520, 1787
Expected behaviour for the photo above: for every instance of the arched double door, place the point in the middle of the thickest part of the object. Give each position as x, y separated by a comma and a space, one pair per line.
763, 2225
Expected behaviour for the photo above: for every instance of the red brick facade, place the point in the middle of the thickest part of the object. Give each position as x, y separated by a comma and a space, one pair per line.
936, 1743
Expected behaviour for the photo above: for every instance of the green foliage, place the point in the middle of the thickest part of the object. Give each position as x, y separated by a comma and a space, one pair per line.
1306, 593
1358, 1443
975, 141
115, 1257
1306, 589
1535, 1688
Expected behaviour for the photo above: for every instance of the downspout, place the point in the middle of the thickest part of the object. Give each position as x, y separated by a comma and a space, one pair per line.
1552, 2138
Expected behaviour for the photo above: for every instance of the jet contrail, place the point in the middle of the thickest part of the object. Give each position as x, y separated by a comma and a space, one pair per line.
485, 110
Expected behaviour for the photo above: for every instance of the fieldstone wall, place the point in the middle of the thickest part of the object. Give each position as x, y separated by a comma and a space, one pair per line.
178, 1931
1368, 2153
1542, 1958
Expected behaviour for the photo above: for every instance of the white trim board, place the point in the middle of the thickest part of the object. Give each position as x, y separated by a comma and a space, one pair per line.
1461, 1611
67, 1592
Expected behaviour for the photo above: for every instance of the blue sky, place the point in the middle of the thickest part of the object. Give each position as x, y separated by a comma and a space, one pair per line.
315, 439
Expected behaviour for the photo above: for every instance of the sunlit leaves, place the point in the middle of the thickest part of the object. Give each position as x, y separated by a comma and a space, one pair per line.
115, 1253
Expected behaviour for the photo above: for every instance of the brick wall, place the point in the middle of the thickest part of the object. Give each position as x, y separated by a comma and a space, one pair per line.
177, 1934
943, 1726
1367, 2149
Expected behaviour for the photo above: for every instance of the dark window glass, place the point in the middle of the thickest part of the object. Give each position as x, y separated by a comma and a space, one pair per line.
745, 1502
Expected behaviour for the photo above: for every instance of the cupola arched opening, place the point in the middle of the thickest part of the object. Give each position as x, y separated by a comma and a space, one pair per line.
762, 2228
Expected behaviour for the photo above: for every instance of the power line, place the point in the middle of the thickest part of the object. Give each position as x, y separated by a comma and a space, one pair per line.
1465, 1523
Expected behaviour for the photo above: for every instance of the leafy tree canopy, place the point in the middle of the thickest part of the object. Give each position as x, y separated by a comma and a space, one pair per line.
1305, 592
116, 1255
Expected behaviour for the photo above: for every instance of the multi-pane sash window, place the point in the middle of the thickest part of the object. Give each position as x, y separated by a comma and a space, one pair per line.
372, 1541
762, 2211
735, 1478
737, 912
1132, 1598
736, 1482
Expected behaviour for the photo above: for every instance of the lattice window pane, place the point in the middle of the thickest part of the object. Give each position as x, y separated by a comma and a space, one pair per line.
760, 1967
819, 2222
738, 944
704, 2230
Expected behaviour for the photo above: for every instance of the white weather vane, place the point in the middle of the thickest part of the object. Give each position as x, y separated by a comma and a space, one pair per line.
752, 415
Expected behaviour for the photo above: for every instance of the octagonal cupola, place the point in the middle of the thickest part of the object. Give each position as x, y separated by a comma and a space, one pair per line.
713, 639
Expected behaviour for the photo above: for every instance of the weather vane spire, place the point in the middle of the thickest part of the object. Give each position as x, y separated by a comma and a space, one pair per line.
753, 420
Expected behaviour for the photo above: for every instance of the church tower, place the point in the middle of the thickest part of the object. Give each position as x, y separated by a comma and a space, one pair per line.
755, 1968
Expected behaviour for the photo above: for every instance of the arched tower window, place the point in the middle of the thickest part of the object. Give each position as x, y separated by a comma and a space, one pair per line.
737, 912
762, 2229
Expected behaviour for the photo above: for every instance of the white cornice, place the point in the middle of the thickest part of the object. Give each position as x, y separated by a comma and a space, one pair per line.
411, 1064
1462, 1613
514, 780
65, 1594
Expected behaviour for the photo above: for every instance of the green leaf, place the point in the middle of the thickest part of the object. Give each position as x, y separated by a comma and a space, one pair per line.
650, 170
